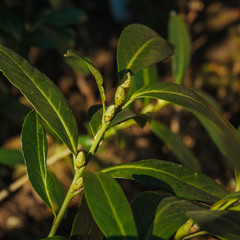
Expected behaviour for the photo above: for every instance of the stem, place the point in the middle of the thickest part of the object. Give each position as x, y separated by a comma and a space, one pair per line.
78, 174
237, 177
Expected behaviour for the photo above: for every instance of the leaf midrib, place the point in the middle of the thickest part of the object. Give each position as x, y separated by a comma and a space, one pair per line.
137, 95
156, 170
48, 100
138, 52
112, 208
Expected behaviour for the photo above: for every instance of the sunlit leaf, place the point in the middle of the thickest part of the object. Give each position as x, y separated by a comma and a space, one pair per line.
188, 99
172, 177
111, 211
45, 97
140, 47
34, 147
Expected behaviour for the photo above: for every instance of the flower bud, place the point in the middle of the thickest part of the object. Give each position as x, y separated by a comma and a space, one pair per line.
109, 113
80, 160
78, 184
126, 82
120, 96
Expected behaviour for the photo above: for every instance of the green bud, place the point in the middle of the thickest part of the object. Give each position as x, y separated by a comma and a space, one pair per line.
109, 113
78, 184
120, 96
80, 160
126, 82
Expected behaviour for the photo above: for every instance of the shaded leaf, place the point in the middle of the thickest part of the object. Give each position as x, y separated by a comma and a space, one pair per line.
61, 17
85, 141
179, 36
178, 179
46, 98
144, 207
34, 147
9, 22
174, 142
55, 238
11, 157
140, 47
111, 211
94, 71
95, 118
188, 99
58, 191
220, 223
145, 77
84, 226
170, 215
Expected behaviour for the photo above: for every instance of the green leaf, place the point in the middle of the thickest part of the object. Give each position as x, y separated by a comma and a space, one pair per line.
45, 97
62, 17
84, 226
235, 196
85, 141
94, 71
58, 191
111, 211
9, 22
175, 178
55, 238
140, 47
95, 118
188, 99
174, 142
34, 147
11, 157
179, 36
220, 223
144, 207
145, 77
170, 215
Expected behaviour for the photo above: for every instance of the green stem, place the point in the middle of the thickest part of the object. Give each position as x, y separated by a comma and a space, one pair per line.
78, 174
237, 177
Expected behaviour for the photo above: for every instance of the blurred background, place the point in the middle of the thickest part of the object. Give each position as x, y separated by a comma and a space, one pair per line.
43, 30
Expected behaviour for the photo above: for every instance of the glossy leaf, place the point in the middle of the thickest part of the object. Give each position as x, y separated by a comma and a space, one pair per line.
180, 38
45, 97
84, 226
95, 118
144, 207
174, 142
111, 211
11, 157
220, 223
34, 147
188, 99
94, 71
175, 178
140, 47
170, 215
